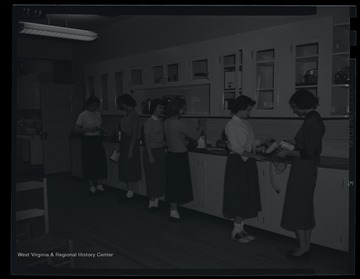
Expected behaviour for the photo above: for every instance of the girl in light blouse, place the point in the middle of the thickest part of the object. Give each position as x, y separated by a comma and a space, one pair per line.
178, 188
88, 125
129, 161
154, 154
241, 185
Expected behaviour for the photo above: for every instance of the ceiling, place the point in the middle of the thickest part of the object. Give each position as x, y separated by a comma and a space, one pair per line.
80, 17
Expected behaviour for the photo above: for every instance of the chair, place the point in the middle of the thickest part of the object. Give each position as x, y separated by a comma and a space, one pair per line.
45, 243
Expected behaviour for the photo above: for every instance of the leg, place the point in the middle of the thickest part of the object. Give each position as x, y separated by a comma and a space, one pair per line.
130, 192
98, 185
308, 237
92, 186
238, 230
301, 236
174, 214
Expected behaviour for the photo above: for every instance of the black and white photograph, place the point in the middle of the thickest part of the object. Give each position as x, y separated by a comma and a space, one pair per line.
183, 140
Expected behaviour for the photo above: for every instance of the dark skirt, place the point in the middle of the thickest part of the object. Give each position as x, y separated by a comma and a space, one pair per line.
298, 210
94, 163
155, 173
129, 169
241, 188
178, 178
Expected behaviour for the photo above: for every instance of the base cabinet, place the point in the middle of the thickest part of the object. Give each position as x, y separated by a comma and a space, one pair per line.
331, 198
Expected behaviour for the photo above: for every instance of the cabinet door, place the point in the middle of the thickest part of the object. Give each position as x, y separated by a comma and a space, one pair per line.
275, 183
197, 174
331, 209
231, 78
265, 70
214, 173
261, 220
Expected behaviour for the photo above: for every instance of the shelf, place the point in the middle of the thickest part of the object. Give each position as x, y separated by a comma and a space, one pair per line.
265, 62
308, 58
265, 89
344, 85
306, 86
345, 54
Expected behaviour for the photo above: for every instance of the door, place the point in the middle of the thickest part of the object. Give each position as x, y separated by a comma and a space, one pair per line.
214, 174
58, 120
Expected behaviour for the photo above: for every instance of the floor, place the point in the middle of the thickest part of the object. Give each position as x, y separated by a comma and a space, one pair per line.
130, 240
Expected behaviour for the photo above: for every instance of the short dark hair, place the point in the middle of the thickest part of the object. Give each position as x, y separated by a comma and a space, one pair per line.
92, 100
304, 99
174, 106
127, 100
241, 103
154, 103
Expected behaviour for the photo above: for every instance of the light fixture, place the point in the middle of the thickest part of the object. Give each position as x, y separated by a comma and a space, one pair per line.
56, 31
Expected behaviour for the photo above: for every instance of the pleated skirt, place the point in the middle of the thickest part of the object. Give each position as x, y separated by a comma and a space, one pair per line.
155, 173
94, 163
241, 188
178, 178
298, 210
129, 169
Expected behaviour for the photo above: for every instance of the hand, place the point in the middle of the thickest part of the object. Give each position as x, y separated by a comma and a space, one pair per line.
281, 154
268, 141
91, 130
259, 157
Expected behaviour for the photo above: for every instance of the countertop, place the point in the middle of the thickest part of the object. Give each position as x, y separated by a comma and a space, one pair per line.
325, 161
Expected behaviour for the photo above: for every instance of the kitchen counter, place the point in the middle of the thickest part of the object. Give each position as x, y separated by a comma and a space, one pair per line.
325, 161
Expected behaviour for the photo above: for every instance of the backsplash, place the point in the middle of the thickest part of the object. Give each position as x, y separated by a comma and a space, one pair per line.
335, 142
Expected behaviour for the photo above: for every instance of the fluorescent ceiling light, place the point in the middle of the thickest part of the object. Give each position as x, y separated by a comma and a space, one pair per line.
56, 31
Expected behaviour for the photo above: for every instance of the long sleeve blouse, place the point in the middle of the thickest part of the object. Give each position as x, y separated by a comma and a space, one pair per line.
240, 136
308, 140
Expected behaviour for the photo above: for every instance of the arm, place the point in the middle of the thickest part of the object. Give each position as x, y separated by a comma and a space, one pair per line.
190, 134
80, 130
147, 129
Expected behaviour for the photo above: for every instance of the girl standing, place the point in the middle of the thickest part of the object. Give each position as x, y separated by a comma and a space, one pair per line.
154, 154
241, 185
178, 188
298, 211
129, 161
94, 163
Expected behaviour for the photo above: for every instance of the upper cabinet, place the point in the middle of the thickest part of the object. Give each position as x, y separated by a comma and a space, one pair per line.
163, 75
340, 70
268, 65
265, 79
231, 77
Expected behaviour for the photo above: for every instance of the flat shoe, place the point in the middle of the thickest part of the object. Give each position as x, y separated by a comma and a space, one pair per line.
305, 255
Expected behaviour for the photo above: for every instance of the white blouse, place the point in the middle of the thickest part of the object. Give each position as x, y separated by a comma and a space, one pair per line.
240, 136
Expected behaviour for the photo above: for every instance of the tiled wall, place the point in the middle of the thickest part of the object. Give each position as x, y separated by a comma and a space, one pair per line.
335, 142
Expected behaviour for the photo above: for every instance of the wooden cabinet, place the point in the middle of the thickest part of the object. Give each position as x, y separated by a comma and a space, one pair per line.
231, 79
340, 70
163, 75
331, 198
207, 177
331, 201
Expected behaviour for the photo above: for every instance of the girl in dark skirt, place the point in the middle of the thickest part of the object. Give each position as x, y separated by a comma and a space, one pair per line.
178, 188
129, 161
298, 211
93, 154
154, 154
241, 186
